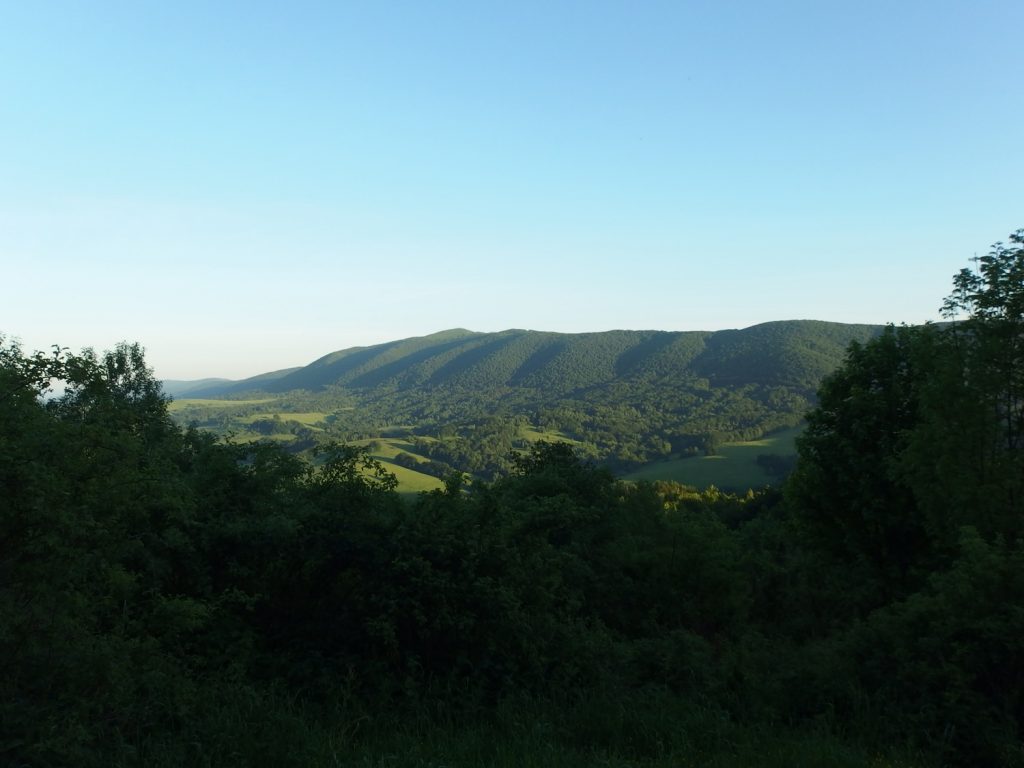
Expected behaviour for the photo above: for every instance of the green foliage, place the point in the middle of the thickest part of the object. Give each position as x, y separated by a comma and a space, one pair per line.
167, 598
628, 397
946, 662
909, 480
978, 396
847, 484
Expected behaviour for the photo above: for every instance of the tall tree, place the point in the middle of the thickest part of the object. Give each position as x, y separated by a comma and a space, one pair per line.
921, 432
847, 484
973, 425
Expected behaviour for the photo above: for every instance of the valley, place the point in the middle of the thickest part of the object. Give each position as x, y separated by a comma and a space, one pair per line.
703, 408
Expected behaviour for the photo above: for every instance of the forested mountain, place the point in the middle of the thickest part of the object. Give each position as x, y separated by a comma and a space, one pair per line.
627, 397
795, 353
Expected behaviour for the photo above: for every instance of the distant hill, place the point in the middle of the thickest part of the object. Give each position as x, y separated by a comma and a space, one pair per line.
204, 387
794, 353
467, 400
180, 388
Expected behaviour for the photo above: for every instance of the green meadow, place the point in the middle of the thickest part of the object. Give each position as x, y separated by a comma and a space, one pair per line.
537, 435
183, 404
384, 448
252, 437
308, 419
409, 480
733, 468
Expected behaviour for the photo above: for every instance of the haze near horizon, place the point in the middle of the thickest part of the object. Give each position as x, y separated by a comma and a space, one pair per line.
243, 188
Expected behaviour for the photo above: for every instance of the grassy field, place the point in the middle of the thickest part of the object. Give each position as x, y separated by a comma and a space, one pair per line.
735, 468
537, 435
184, 404
384, 449
309, 419
411, 481
252, 437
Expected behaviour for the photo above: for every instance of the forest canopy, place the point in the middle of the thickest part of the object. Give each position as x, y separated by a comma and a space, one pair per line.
167, 598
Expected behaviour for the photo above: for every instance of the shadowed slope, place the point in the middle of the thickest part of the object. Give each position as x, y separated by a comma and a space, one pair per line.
794, 353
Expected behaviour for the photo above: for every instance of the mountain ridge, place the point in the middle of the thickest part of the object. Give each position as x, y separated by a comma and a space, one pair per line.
624, 397
788, 352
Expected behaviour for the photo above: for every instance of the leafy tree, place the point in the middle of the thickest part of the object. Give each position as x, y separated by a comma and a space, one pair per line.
93, 522
910, 479
919, 433
847, 484
979, 401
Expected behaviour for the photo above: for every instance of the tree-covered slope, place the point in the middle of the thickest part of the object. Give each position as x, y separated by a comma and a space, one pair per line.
796, 353
627, 397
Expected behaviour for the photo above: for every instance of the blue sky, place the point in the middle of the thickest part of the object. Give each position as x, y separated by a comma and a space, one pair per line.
242, 187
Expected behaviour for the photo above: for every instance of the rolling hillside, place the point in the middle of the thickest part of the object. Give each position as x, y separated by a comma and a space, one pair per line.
628, 399
796, 353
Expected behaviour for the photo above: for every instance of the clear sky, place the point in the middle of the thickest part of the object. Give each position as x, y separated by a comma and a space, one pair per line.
245, 186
